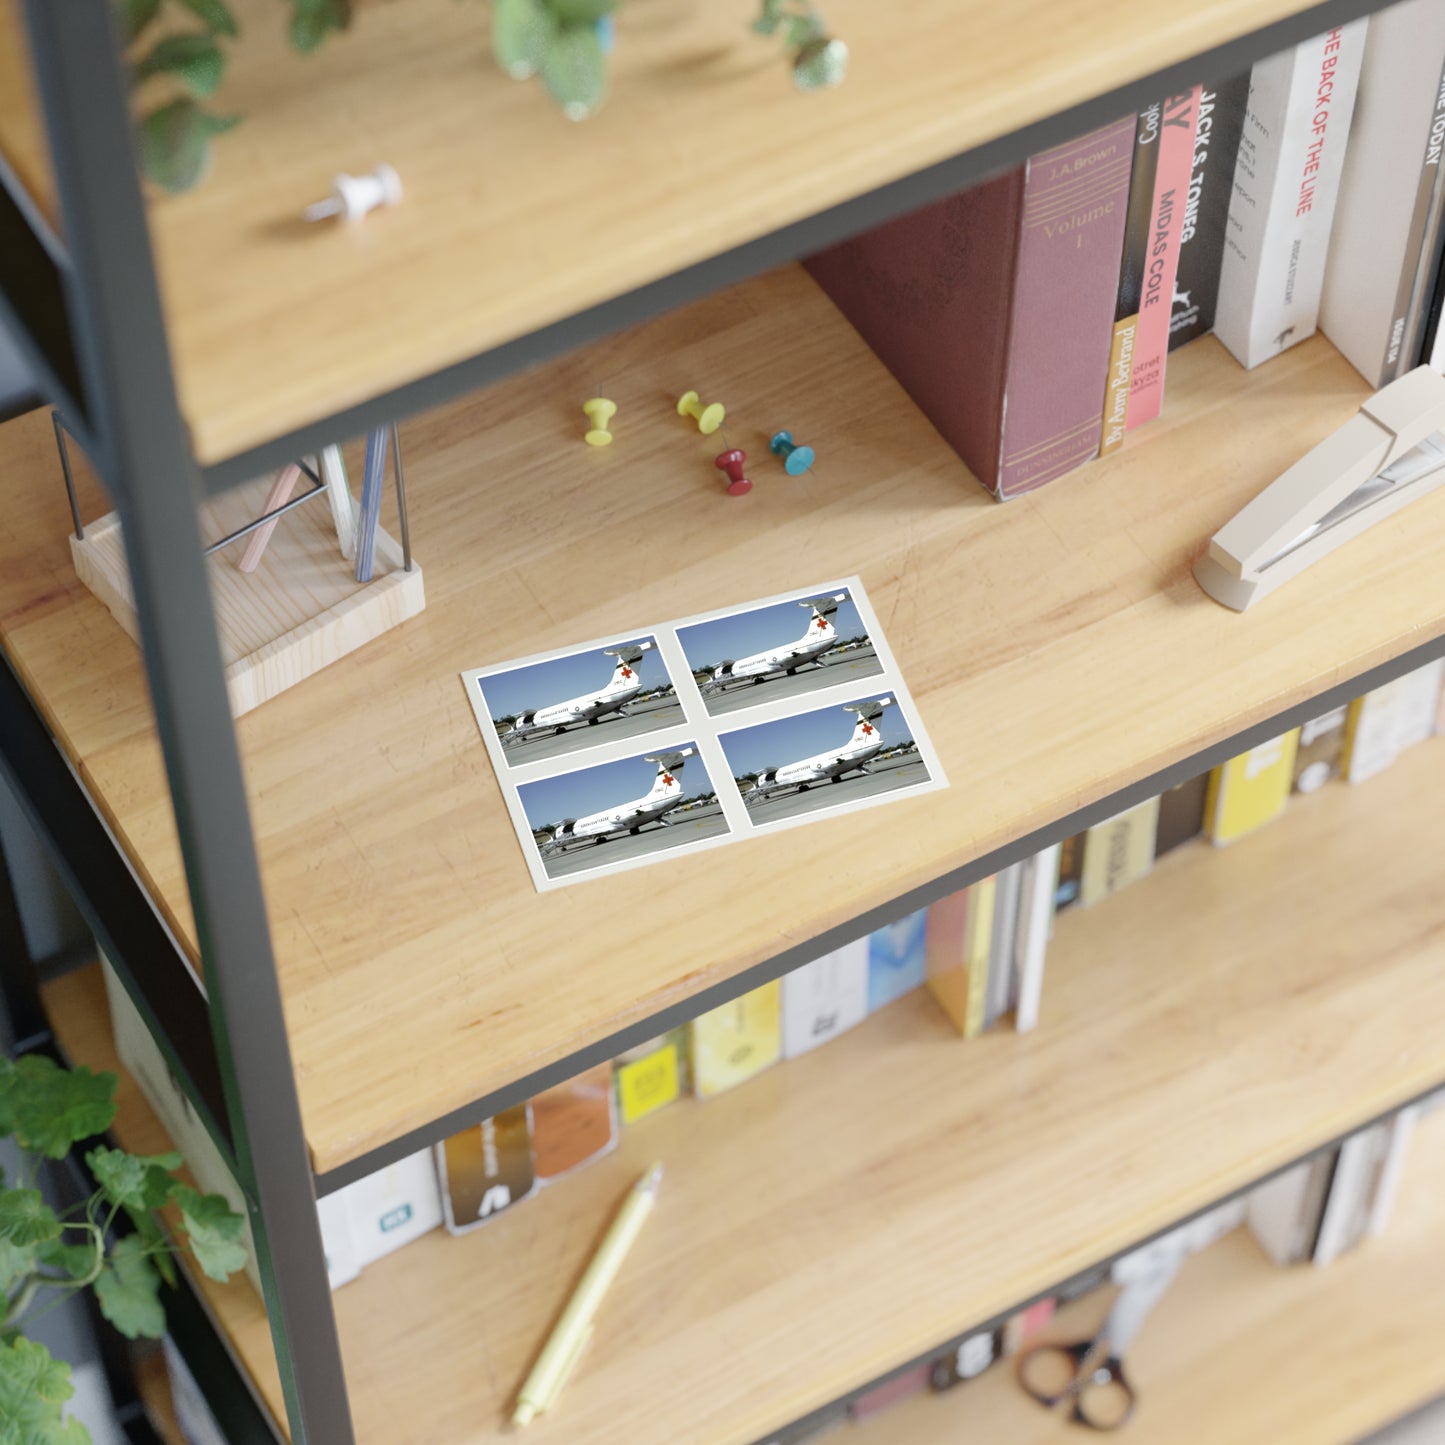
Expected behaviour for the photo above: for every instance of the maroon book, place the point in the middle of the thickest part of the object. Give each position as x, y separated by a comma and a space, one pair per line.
995, 307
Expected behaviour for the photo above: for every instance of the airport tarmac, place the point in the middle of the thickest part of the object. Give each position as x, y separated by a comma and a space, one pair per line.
641, 718
821, 796
845, 667
688, 829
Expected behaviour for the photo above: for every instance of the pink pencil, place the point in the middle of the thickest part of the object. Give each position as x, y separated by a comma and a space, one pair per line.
281, 490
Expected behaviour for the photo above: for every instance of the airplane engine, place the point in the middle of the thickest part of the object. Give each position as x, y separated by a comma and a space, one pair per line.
723, 670
523, 720
564, 831
767, 778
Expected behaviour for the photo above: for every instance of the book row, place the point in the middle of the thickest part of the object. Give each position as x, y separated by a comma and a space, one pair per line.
1031, 317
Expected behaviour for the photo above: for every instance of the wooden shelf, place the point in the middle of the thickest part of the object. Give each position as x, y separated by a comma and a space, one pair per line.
1057, 648
847, 1211
515, 218
1242, 1351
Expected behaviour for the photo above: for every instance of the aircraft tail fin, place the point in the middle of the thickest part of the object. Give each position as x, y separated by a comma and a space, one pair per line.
865, 729
825, 606
669, 765
624, 671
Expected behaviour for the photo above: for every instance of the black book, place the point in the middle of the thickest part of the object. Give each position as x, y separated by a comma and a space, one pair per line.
1206, 211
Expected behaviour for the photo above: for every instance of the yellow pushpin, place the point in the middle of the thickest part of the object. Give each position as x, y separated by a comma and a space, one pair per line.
599, 411
709, 418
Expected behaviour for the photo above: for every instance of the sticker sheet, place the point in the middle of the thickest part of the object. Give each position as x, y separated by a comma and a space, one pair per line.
627, 750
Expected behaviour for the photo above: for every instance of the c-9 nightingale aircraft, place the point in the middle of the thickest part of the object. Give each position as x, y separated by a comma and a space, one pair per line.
652, 807
809, 648
591, 707
853, 756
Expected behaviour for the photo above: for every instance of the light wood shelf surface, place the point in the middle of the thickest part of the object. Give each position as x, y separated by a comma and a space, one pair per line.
22, 129
1056, 648
848, 1211
514, 217
1240, 1350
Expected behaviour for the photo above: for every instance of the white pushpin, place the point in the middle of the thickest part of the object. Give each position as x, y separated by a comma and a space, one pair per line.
353, 196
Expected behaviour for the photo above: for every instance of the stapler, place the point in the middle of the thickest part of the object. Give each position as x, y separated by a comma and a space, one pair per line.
1381, 459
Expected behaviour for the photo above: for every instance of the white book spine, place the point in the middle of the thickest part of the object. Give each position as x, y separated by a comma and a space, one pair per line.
1387, 1187
1351, 1178
1036, 918
824, 998
1286, 182
1002, 945
1387, 190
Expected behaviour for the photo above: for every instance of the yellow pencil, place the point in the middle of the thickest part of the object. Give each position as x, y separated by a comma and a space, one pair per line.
572, 1331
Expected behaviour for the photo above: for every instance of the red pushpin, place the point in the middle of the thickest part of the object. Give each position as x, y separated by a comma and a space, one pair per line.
731, 462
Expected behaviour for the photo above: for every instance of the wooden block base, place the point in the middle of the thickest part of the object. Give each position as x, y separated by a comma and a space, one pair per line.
300, 610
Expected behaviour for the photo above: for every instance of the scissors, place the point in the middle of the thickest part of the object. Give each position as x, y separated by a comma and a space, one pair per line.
1089, 1374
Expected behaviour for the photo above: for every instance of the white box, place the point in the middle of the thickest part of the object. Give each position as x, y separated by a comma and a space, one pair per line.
825, 998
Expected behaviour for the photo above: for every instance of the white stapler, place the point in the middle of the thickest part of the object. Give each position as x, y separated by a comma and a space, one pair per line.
1390, 453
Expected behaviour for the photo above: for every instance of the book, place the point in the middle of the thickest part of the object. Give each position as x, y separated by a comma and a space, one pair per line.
1118, 851
1283, 1214
1251, 790
1342, 1224
650, 1076
892, 1392
1023, 1324
825, 998
737, 1040
573, 1123
396, 1205
486, 1169
897, 960
1286, 180
1388, 189
1129, 292
1038, 889
1000, 987
977, 951
1399, 1131
1386, 720
1177, 125
1321, 750
966, 1362
993, 307
1071, 870
1181, 814
1206, 209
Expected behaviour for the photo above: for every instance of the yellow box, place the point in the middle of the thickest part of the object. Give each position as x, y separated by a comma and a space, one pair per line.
650, 1076
734, 1042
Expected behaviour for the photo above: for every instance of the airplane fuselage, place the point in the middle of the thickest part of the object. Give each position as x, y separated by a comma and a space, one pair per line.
582, 709
821, 766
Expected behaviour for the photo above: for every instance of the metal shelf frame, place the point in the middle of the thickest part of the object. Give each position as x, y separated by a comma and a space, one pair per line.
87, 313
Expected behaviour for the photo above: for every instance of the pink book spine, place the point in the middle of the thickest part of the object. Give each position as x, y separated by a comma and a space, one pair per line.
1171, 191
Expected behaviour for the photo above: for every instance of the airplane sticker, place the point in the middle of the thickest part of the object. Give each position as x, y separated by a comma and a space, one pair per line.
534, 717
753, 655
639, 747
593, 817
830, 757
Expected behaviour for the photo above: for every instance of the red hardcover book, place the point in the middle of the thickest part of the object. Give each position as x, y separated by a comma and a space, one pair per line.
1171, 193
995, 307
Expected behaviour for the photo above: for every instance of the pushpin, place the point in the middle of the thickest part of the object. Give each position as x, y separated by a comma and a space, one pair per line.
796, 460
731, 462
599, 411
709, 418
353, 196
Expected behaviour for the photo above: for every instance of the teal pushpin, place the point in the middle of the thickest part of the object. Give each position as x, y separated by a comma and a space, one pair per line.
796, 460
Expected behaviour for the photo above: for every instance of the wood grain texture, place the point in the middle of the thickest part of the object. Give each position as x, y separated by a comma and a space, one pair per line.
1242, 1351
851, 1209
297, 611
1056, 647
22, 129
514, 217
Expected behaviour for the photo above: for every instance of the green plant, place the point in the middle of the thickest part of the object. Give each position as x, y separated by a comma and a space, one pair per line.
565, 42
45, 1256
174, 136
818, 59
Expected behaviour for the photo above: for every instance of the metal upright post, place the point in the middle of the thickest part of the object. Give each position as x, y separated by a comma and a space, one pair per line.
144, 455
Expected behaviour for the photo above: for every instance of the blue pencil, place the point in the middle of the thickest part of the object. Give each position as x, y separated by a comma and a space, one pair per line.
372, 477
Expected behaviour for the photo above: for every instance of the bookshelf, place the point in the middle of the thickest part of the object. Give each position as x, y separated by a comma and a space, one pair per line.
1283, 1016
993, 613
1075, 662
1309, 1341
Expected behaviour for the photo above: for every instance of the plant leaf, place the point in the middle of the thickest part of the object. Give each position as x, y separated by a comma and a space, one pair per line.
16, 1261
128, 1290
74, 1261
195, 60
313, 20
25, 1218
820, 63
574, 70
769, 17
581, 12
33, 1389
156, 1241
803, 30
215, 15
214, 1229
522, 30
175, 145
55, 1108
133, 1180
135, 15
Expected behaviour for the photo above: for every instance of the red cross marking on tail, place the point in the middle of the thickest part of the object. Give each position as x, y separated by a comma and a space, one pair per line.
626, 671
822, 623
668, 779
867, 729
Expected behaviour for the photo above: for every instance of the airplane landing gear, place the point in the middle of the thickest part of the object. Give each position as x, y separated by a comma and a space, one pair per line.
557, 732
837, 777
592, 722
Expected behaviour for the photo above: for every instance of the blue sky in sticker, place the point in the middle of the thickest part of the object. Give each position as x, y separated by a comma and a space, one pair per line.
741, 634
590, 790
790, 739
540, 684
